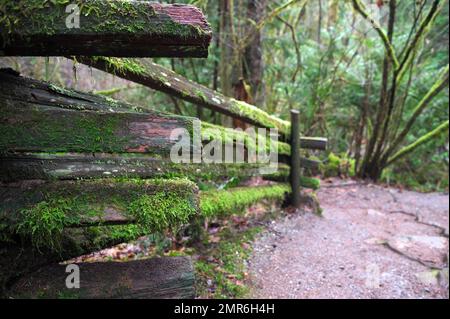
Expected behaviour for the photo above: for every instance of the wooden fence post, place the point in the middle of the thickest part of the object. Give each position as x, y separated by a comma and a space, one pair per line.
295, 158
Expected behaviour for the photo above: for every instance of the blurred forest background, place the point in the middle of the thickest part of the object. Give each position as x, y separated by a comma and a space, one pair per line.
378, 91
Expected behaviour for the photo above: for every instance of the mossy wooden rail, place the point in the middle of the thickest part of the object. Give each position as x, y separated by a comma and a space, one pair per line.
159, 78
215, 204
162, 79
73, 166
19, 162
112, 28
156, 205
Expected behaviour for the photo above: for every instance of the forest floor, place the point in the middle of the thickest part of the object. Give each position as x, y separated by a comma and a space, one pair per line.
371, 242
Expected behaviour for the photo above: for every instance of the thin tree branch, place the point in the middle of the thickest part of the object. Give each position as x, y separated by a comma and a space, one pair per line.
423, 30
297, 48
439, 86
423, 140
360, 8
277, 11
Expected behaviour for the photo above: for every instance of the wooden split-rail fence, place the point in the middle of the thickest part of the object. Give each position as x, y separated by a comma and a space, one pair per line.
76, 169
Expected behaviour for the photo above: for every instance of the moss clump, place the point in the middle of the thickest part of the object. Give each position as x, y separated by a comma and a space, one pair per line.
339, 166
283, 175
161, 211
230, 136
80, 132
121, 66
45, 222
222, 203
309, 182
284, 149
100, 237
260, 117
201, 95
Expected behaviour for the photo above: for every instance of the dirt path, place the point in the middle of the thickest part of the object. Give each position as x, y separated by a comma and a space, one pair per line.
371, 242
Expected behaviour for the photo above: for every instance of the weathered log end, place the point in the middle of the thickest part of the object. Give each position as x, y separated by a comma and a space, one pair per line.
314, 143
103, 27
157, 278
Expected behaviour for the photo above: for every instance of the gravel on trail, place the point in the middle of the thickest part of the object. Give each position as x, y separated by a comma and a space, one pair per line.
371, 243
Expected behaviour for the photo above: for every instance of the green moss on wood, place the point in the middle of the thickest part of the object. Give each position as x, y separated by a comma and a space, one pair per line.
222, 203
283, 175
306, 182
210, 172
161, 211
121, 66
154, 205
259, 116
309, 182
82, 132
230, 136
201, 95
191, 92
45, 221
100, 237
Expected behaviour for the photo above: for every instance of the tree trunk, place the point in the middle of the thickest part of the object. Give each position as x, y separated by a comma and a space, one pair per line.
383, 143
226, 52
369, 167
363, 119
254, 62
